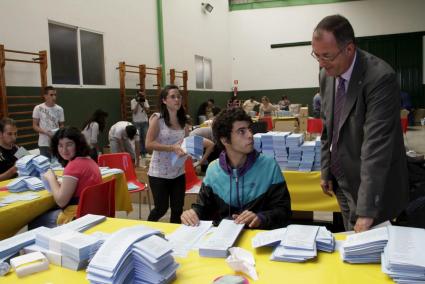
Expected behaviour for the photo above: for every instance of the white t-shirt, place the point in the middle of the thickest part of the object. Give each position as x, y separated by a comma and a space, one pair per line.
91, 131
140, 115
117, 131
49, 119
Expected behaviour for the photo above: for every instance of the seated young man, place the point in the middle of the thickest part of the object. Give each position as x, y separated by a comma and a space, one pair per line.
241, 184
8, 149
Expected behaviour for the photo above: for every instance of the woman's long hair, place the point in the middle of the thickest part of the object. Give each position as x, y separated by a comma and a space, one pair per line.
181, 113
72, 133
98, 116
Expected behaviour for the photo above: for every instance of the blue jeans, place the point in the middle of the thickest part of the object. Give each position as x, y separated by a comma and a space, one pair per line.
142, 128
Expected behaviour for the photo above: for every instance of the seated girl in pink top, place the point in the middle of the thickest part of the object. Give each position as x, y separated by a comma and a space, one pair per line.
71, 149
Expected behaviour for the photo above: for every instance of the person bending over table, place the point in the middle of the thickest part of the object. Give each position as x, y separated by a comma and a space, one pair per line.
70, 148
241, 184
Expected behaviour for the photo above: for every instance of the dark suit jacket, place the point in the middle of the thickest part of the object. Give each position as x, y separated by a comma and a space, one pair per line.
370, 144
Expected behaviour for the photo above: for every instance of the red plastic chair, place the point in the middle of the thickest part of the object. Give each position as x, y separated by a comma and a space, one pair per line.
98, 199
123, 161
269, 121
314, 125
190, 174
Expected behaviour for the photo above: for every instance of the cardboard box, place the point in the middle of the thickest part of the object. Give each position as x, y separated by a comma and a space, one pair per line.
302, 120
285, 125
304, 112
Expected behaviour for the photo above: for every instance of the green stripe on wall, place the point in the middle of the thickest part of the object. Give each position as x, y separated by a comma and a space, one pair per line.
280, 3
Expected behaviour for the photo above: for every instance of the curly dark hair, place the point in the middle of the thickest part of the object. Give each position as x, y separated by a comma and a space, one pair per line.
181, 113
223, 123
72, 133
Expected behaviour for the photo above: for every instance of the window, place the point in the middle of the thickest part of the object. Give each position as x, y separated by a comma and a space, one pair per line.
203, 72
76, 56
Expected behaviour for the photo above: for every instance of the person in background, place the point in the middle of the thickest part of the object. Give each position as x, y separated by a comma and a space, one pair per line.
232, 188
266, 108
122, 136
249, 105
205, 110
317, 102
363, 157
48, 117
91, 130
140, 110
166, 132
8, 134
284, 103
71, 149
406, 103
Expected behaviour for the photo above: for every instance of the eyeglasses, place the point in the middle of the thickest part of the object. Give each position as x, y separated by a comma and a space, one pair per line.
243, 131
326, 58
175, 97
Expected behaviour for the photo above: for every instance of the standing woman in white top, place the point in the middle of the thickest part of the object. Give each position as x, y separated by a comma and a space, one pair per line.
166, 132
91, 130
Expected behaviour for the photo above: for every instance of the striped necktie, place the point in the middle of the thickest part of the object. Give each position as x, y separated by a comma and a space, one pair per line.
339, 100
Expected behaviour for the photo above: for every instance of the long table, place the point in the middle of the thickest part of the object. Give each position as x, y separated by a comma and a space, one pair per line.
327, 268
306, 193
16, 215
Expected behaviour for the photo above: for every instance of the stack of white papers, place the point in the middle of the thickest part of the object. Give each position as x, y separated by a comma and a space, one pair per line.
298, 244
257, 141
267, 144
403, 258
84, 223
11, 246
12, 198
153, 262
191, 145
113, 262
268, 238
325, 241
32, 165
317, 150
308, 156
25, 183
280, 150
365, 247
185, 238
221, 240
108, 171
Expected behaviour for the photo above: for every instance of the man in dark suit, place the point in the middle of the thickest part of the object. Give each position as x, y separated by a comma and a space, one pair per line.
363, 155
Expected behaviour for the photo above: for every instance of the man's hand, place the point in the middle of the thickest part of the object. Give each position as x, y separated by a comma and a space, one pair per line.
327, 187
363, 224
248, 218
190, 218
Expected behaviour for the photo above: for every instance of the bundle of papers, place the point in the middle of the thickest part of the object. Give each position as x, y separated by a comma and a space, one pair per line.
12, 198
365, 247
113, 262
221, 240
267, 144
185, 238
325, 241
257, 141
298, 244
25, 183
191, 145
153, 262
268, 238
403, 258
32, 165
12, 245
295, 139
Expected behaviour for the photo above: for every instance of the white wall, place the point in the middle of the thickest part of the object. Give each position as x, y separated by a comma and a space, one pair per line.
258, 67
129, 28
189, 31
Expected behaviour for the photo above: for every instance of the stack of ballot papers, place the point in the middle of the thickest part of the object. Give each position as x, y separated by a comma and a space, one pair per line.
257, 141
11, 246
185, 238
298, 244
25, 183
108, 171
267, 144
153, 262
12, 198
270, 238
403, 258
32, 165
191, 145
221, 240
113, 262
279, 147
308, 156
365, 247
317, 150
325, 240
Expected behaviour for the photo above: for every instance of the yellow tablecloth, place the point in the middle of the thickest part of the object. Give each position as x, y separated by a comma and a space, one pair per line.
16, 215
327, 268
306, 193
